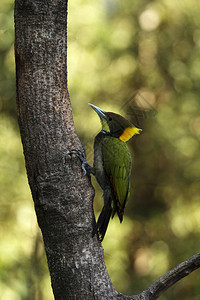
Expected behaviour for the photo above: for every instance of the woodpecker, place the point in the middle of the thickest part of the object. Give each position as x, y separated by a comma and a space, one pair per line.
112, 166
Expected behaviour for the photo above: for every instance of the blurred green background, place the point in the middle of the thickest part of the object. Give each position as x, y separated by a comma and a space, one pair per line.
120, 53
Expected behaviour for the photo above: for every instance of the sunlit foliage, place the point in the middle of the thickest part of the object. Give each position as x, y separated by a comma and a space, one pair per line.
116, 49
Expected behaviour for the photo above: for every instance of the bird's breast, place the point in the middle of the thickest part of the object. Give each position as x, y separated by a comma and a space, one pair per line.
100, 174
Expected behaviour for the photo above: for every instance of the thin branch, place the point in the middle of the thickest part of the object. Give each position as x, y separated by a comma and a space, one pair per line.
170, 278
167, 280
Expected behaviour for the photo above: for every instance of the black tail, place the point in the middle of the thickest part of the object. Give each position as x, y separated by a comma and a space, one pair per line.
102, 223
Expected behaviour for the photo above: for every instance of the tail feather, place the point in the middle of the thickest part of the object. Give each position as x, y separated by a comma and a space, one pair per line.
102, 223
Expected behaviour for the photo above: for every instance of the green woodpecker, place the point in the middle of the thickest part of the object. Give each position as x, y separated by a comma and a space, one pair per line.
112, 166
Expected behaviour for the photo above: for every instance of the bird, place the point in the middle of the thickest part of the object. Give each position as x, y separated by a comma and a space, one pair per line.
112, 166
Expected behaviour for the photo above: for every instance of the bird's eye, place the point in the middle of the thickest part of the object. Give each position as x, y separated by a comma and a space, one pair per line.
109, 119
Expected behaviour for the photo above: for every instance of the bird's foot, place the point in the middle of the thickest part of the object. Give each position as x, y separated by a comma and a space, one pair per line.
86, 167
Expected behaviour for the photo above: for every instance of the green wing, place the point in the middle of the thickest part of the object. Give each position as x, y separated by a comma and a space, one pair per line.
117, 164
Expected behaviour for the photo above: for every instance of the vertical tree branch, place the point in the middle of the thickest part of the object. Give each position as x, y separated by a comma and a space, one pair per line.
62, 197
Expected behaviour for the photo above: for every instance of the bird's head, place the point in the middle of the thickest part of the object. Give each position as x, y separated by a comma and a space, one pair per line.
117, 125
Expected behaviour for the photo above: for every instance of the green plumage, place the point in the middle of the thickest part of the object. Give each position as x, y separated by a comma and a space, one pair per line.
112, 166
117, 163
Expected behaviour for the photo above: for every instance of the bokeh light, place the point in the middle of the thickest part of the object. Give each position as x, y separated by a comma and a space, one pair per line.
120, 55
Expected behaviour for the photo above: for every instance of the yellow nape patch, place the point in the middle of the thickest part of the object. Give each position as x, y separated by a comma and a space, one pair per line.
128, 133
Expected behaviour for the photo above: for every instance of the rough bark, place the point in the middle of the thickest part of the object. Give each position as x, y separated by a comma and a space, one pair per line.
62, 196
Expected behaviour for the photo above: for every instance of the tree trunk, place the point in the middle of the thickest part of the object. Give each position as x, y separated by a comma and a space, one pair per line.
62, 196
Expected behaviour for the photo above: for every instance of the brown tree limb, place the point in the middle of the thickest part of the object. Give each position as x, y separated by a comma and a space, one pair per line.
167, 280
62, 196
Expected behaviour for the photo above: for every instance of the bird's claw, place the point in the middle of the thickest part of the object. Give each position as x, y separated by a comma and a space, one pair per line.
82, 157
83, 168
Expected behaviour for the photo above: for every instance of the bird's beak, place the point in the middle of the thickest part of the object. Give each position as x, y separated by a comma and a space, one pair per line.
99, 111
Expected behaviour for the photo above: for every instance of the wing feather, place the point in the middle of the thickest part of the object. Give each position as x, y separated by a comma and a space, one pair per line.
117, 163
